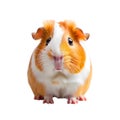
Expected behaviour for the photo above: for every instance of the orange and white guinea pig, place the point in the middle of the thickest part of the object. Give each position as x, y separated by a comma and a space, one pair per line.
60, 66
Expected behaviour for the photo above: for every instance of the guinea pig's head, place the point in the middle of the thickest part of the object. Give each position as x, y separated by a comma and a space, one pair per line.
60, 47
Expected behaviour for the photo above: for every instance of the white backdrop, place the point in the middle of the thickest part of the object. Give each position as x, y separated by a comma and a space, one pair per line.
19, 18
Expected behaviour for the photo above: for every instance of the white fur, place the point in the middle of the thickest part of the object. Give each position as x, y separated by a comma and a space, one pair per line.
54, 45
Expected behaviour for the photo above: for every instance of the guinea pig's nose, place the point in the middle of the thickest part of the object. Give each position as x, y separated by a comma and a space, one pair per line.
58, 58
58, 62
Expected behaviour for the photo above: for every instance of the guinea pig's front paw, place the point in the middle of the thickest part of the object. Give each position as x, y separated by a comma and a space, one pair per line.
48, 100
72, 100
81, 98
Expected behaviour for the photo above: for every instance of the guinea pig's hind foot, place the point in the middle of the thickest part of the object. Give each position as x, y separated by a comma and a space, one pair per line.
81, 98
48, 100
39, 97
72, 100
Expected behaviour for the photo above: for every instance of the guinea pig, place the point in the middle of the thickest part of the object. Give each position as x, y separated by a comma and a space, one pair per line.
60, 66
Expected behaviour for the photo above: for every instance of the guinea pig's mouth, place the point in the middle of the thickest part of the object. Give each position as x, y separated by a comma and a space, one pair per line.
58, 62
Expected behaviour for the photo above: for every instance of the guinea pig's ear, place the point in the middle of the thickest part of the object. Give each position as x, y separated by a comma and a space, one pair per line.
81, 35
38, 34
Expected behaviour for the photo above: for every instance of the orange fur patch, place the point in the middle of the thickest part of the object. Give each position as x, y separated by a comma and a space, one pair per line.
74, 56
49, 27
37, 88
83, 88
38, 62
70, 26
50, 54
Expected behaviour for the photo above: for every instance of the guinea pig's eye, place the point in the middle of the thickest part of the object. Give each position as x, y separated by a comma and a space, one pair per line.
48, 40
70, 41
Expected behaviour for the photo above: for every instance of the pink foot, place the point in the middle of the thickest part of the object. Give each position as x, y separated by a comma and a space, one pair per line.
81, 98
72, 100
38, 97
48, 100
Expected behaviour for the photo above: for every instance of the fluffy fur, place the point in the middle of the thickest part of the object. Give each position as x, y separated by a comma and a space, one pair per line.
59, 69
